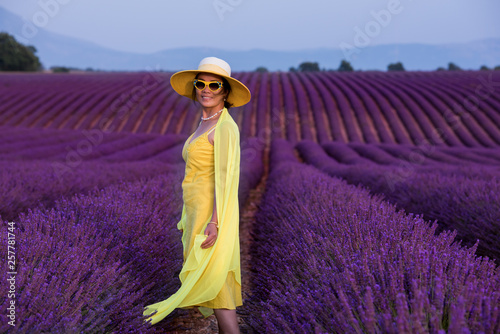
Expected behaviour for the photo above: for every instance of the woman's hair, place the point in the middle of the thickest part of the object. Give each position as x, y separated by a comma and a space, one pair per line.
226, 88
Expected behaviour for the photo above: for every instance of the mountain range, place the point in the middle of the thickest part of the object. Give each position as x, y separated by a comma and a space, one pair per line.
58, 50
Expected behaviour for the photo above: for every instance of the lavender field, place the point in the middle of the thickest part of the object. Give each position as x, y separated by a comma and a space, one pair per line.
370, 201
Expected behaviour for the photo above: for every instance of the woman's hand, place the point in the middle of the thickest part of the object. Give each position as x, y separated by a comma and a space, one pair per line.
211, 232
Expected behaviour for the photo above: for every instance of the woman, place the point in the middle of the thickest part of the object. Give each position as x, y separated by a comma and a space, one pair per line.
210, 275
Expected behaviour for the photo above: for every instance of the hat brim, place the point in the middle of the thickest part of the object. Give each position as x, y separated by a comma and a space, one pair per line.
182, 83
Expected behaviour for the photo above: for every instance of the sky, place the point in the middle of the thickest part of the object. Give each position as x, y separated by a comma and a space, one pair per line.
148, 26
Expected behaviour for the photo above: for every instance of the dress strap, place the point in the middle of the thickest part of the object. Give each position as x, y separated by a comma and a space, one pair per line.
208, 132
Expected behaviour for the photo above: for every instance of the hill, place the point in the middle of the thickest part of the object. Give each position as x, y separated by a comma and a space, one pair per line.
58, 50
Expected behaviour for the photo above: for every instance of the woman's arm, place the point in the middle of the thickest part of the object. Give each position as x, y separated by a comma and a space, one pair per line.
211, 229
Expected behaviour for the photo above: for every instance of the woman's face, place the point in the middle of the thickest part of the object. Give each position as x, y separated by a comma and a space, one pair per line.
206, 97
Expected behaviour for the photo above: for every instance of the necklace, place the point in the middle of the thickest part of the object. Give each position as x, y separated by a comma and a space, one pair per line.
206, 119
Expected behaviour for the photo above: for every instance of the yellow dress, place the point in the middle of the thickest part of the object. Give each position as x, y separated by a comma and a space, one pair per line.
210, 277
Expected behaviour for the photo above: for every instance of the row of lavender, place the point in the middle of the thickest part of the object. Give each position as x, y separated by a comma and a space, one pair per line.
91, 233
462, 197
72, 147
452, 109
67, 149
39, 166
88, 261
331, 258
36, 184
90, 264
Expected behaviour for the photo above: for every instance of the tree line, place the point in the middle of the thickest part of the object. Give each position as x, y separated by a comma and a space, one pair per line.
17, 57
346, 66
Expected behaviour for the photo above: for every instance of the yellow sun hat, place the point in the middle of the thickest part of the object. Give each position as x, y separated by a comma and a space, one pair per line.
182, 82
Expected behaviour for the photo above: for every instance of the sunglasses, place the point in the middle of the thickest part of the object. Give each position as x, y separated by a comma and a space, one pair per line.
213, 85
